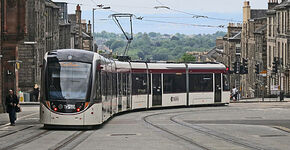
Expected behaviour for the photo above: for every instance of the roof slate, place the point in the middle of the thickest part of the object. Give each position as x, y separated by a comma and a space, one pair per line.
258, 13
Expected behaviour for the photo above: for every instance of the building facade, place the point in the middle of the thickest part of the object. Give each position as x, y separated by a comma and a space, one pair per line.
1, 104
253, 20
42, 36
64, 26
232, 51
13, 30
278, 33
81, 32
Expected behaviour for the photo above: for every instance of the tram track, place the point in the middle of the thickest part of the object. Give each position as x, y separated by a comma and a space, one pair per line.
26, 140
186, 139
199, 129
67, 140
209, 132
15, 131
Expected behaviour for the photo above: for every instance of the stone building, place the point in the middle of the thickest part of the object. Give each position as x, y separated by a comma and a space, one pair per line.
278, 46
64, 26
81, 32
253, 20
1, 107
42, 36
260, 36
232, 51
13, 31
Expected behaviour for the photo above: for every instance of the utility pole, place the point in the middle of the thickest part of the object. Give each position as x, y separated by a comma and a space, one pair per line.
99, 7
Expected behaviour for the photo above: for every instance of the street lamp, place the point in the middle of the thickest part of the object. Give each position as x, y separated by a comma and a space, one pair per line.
99, 7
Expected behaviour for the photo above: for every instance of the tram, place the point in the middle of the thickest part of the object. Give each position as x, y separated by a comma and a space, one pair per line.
83, 88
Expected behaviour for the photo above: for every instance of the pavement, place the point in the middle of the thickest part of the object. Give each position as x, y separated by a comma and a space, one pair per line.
240, 125
255, 100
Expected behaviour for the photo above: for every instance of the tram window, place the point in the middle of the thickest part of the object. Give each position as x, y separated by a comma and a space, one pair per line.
124, 83
226, 85
97, 93
200, 82
119, 84
104, 84
109, 83
174, 83
139, 84
114, 81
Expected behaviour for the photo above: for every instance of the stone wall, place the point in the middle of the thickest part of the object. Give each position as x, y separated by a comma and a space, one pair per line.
27, 71
64, 36
1, 105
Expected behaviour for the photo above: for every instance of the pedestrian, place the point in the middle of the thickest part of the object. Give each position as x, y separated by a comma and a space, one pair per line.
235, 93
35, 93
12, 102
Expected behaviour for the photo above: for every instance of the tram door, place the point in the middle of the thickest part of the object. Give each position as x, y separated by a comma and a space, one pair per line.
218, 88
157, 90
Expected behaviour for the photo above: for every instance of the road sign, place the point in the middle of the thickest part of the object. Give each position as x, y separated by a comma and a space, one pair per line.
263, 73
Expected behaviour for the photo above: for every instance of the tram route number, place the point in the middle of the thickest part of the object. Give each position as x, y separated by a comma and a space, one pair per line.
69, 106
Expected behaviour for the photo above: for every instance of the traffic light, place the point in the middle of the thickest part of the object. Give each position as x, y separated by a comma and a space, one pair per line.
257, 69
244, 66
236, 67
275, 65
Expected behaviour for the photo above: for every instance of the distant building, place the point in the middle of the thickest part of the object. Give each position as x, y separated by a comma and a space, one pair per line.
81, 32
253, 20
64, 26
232, 51
278, 46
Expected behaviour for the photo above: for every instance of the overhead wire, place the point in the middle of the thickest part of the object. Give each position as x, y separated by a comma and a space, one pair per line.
178, 23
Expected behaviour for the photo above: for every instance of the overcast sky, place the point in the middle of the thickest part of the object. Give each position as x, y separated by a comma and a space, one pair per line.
179, 16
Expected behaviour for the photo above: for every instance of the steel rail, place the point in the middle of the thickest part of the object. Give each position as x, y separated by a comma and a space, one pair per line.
221, 136
27, 140
67, 140
186, 139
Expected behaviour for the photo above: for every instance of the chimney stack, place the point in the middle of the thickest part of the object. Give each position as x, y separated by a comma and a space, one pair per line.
78, 7
90, 28
78, 14
246, 11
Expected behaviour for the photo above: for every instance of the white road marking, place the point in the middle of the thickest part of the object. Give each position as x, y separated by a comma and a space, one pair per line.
23, 117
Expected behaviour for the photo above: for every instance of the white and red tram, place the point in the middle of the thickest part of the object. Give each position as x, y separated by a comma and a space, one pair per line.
82, 88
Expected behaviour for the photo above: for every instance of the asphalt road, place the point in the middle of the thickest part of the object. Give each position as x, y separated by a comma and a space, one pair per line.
237, 126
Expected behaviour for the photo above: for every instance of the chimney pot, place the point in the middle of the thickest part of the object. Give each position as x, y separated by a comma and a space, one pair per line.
78, 7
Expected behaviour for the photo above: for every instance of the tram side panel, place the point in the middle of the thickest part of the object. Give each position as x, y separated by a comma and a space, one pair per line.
201, 88
139, 90
93, 115
174, 89
139, 85
226, 89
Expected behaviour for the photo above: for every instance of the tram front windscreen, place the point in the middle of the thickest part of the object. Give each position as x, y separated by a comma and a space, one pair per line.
68, 80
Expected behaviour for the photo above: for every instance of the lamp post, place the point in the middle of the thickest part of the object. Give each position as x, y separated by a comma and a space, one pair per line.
99, 7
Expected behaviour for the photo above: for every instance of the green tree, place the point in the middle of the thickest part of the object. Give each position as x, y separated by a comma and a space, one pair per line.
187, 58
117, 44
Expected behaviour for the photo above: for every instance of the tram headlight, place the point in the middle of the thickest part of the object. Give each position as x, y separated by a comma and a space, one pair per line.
86, 104
47, 104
